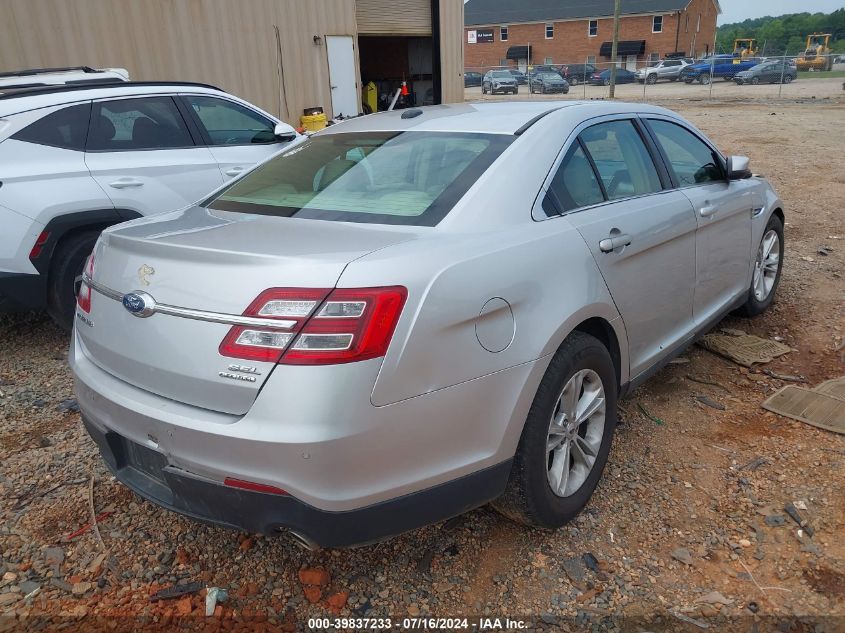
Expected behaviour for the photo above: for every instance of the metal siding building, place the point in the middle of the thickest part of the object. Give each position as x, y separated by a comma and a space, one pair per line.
233, 45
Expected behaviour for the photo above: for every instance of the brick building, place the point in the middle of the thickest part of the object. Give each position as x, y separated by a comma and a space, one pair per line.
523, 32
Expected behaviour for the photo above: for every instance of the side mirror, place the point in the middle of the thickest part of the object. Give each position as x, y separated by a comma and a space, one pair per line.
738, 168
284, 132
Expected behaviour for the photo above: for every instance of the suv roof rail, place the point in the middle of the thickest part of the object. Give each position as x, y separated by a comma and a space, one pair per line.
32, 90
41, 71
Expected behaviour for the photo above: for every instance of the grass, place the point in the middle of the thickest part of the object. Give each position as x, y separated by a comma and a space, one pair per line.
828, 74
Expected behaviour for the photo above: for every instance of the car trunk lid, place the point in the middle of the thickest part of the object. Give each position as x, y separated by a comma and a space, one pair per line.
213, 262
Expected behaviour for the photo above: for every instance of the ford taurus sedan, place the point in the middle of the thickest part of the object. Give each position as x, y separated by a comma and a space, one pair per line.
415, 313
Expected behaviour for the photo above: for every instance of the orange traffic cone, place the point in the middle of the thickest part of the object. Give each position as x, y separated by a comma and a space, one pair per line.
404, 91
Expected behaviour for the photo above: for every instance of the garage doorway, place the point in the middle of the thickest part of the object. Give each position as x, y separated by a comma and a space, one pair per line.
341, 55
388, 60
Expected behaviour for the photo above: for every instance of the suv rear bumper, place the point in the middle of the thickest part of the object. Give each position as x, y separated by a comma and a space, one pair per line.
20, 292
211, 502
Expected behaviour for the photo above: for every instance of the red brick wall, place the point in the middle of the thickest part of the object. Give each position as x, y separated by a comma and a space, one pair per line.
571, 42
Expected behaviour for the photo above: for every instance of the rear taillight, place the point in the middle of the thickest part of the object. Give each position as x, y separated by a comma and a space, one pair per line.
325, 326
83, 297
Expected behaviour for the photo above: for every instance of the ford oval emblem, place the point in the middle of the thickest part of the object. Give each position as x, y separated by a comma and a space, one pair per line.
139, 304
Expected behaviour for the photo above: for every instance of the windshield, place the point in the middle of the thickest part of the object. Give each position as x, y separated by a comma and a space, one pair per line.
412, 178
551, 76
501, 73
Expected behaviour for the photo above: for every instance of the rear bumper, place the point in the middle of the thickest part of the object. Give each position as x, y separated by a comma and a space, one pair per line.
21, 291
210, 502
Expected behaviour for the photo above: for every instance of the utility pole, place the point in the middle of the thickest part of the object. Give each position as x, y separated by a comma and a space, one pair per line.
617, 8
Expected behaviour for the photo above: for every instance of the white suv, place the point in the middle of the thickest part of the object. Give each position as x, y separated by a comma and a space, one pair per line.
75, 159
664, 69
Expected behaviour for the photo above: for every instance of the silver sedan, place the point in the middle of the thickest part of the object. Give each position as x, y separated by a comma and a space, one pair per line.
415, 313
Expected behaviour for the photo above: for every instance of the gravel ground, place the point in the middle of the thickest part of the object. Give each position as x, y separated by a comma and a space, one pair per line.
688, 521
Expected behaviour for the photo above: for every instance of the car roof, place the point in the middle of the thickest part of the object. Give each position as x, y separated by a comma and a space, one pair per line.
14, 100
501, 117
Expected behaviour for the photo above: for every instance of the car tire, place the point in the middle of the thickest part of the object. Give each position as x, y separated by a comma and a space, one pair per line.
704, 79
566, 91
688, 80
651, 79
65, 268
529, 497
606, 82
787, 79
763, 287
755, 81
574, 81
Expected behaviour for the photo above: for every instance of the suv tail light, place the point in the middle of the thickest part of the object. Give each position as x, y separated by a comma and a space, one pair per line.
83, 297
326, 326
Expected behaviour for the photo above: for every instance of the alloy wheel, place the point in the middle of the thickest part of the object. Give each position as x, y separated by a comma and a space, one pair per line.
766, 265
575, 432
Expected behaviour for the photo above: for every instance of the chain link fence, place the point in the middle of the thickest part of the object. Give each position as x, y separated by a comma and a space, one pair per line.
639, 79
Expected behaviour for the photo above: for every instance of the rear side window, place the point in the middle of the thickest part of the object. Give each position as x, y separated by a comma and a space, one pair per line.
410, 178
690, 159
622, 159
575, 184
229, 123
65, 128
137, 124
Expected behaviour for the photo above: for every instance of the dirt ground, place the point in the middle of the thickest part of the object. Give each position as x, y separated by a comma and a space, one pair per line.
687, 523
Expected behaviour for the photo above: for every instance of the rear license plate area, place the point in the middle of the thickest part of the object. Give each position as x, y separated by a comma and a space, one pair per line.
144, 460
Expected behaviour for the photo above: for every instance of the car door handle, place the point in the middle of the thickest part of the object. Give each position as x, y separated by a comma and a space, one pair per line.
610, 244
126, 183
707, 211
235, 171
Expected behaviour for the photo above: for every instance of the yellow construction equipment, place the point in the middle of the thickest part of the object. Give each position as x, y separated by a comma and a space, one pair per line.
817, 54
746, 47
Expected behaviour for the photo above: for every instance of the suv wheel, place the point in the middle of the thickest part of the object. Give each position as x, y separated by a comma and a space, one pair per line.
755, 81
767, 269
704, 79
65, 275
567, 436
652, 78
573, 81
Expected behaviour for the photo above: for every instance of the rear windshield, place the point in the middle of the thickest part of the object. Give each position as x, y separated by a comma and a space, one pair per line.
412, 178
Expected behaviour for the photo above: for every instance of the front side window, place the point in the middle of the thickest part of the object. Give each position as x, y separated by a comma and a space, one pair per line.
691, 160
621, 158
503, 33
412, 178
574, 185
65, 128
593, 28
137, 124
550, 30
657, 24
229, 123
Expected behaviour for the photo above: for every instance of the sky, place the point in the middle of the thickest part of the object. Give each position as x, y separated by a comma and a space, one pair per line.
739, 10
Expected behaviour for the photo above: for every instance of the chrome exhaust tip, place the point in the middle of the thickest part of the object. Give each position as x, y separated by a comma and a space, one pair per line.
303, 541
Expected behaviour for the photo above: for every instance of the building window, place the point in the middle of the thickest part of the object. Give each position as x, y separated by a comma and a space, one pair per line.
550, 30
591, 59
503, 33
593, 28
548, 60
657, 24
653, 58
504, 62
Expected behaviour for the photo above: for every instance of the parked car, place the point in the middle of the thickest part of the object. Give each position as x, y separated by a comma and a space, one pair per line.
772, 71
75, 75
499, 81
545, 68
472, 78
548, 83
78, 158
520, 77
380, 328
577, 73
724, 66
669, 69
602, 77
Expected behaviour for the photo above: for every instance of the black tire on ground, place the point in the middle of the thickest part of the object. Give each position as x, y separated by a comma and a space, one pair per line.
607, 82
566, 91
528, 497
573, 81
651, 79
752, 307
787, 79
65, 268
755, 81
704, 79
688, 80
728, 77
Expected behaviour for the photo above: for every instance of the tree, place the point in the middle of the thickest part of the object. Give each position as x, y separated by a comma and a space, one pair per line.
784, 33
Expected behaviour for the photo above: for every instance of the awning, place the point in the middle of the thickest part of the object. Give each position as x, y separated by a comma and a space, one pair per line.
517, 52
625, 47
